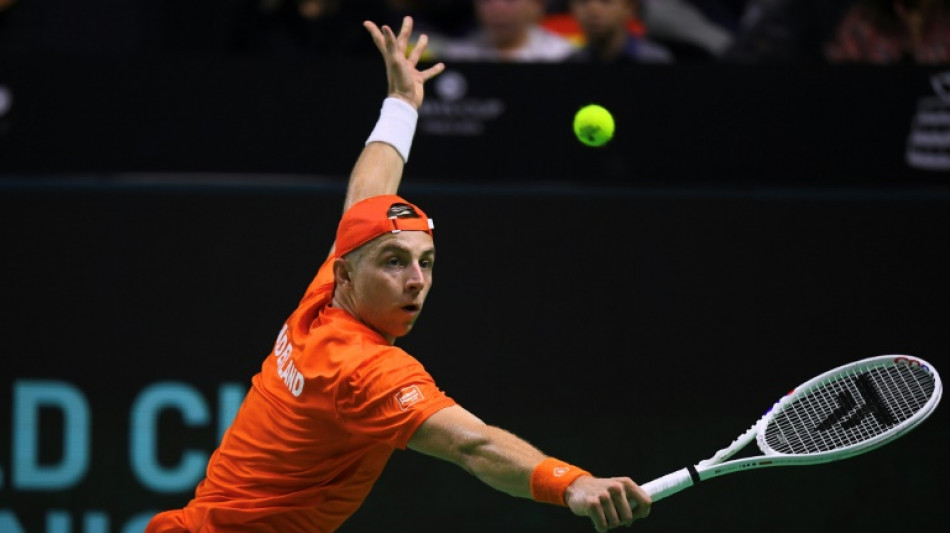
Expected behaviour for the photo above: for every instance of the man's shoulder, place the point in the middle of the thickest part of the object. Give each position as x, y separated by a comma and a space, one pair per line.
338, 343
376, 359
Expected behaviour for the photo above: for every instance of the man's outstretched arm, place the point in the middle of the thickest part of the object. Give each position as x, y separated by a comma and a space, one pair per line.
510, 464
379, 167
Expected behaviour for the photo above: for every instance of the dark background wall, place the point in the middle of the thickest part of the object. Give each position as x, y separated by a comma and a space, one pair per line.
630, 309
633, 333
701, 125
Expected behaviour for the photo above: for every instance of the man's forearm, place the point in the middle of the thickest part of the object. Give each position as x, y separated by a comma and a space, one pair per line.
493, 455
377, 171
501, 460
380, 165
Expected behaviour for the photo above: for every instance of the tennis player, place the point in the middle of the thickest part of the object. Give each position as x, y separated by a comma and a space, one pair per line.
336, 397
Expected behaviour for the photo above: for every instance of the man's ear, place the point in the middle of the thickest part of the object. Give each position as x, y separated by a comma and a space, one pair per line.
341, 271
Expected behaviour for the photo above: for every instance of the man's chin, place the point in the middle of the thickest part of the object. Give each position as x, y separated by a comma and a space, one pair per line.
402, 332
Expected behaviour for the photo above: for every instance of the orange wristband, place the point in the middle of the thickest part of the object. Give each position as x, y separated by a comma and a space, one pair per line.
550, 480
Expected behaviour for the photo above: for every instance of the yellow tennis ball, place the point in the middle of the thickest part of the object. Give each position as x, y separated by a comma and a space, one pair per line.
593, 125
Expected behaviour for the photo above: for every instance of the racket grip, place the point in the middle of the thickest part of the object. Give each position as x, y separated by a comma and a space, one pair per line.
669, 484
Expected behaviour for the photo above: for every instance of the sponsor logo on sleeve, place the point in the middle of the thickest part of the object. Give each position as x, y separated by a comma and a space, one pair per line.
408, 396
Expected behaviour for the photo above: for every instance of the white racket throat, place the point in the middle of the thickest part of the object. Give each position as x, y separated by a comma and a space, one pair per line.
844, 412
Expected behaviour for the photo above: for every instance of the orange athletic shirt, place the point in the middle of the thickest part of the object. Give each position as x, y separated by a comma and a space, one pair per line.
331, 403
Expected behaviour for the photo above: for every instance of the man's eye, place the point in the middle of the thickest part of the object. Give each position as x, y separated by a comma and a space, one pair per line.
426, 263
393, 261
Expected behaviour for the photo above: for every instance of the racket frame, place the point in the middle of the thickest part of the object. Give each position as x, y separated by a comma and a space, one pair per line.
719, 465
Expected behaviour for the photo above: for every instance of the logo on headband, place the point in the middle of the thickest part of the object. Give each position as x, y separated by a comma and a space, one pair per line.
401, 211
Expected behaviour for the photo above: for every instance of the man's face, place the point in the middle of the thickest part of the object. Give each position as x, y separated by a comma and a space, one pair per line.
392, 280
601, 19
506, 21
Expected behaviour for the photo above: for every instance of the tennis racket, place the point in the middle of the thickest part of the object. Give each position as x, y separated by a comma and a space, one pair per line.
842, 413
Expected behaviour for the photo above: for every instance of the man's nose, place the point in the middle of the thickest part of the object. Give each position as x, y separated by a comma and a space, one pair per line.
415, 277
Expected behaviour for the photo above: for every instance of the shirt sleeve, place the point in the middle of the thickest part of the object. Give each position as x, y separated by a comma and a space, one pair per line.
388, 397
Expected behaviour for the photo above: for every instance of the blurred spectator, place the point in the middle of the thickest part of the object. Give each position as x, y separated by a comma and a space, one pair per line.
507, 30
607, 36
785, 30
684, 27
885, 32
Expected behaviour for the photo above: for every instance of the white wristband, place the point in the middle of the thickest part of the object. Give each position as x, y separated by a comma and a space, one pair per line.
396, 126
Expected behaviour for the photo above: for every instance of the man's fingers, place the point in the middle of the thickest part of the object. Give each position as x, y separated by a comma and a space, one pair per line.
375, 34
405, 31
432, 71
608, 502
622, 504
389, 38
383, 36
416, 53
388, 42
598, 518
610, 511
640, 498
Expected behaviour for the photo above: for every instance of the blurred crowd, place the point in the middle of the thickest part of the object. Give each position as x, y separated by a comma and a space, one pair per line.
879, 32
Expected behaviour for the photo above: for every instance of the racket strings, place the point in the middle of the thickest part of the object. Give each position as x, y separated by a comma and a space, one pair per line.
849, 409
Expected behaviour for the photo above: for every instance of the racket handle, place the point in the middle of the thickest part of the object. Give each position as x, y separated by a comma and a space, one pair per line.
669, 484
